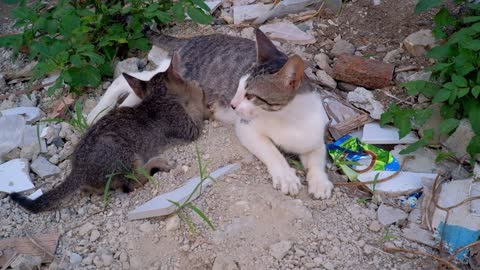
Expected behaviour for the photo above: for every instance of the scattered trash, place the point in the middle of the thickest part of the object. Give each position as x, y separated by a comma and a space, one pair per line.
410, 202
11, 131
160, 206
419, 42
459, 227
31, 114
42, 245
286, 31
373, 133
15, 177
363, 72
388, 215
364, 99
399, 184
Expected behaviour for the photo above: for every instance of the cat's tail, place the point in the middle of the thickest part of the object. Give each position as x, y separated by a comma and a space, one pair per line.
47, 201
165, 42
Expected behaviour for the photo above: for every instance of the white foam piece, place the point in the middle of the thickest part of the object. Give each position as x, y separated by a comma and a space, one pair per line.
160, 205
374, 134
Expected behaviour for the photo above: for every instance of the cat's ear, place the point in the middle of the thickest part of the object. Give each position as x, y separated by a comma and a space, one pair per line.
265, 49
292, 73
138, 86
174, 70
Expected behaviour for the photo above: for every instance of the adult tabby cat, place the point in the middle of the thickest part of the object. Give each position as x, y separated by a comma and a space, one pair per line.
273, 102
128, 139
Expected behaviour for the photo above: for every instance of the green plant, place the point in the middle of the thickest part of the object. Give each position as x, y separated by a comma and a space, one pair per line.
181, 207
455, 79
81, 38
388, 235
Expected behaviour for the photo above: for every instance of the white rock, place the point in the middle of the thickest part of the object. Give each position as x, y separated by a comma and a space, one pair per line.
32, 135
323, 61
404, 182
459, 140
85, 229
419, 42
342, 47
49, 133
280, 249
43, 168
248, 32
388, 215
88, 106
75, 259
325, 79
287, 32
107, 259
27, 101
377, 2
14, 176
94, 236
24, 261
364, 99
31, 114
375, 226
242, 2
35, 194
247, 13
391, 56
172, 223
11, 132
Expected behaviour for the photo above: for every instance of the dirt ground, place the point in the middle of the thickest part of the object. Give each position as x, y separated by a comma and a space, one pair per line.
257, 227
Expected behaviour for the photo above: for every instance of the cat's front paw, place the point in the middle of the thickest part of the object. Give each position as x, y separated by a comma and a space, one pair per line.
319, 186
286, 180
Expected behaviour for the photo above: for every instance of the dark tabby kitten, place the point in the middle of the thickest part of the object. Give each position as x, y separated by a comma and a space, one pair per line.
127, 139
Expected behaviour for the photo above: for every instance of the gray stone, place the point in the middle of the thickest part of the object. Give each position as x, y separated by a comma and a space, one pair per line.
459, 140
88, 106
75, 259
172, 223
393, 55
128, 65
347, 87
107, 259
3, 83
242, 2
286, 31
420, 75
11, 131
280, 249
50, 134
329, 265
325, 79
28, 101
364, 99
388, 215
94, 236
323, 61
85, 229
30, 152
146, 227
419, 42
247, 13
224, 263
26, 262
248, 32
32, 136
342, 47
43, 168
31, 114
375, 226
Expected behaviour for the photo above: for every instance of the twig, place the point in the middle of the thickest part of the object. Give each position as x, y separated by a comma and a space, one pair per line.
401, 250
34, 242
304, 18
10, 261
407, 68
359, 183
400, 101
458, 204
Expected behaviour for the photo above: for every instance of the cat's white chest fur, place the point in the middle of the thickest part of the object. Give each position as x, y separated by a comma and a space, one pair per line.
299, 127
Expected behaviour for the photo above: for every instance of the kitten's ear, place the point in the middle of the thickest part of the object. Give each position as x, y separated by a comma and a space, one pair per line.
265, 48
174, 70
292, 73
138, 86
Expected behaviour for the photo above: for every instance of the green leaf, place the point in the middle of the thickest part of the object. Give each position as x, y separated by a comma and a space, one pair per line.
450, 86
459, 81
471, 19
424, 5
76, 60
427, 136
68, 24
403, 123
473, 147
51, 26
476, 91
443, 18
198, 15
94, 58
473, 45
442, 95
201, 214
440, 52
201, 4
178, 11
472, 108
449, 125
444, 156
141, 44
462, 92
11, 41
83, 76
422, 116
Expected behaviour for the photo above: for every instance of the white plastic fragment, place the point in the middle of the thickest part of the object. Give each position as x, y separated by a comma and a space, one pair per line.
160, 206
35, 194
403, 182
373, 133
31, 114
14, 176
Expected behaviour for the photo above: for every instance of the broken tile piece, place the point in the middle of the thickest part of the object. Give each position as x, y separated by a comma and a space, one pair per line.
11, 130
415, 233
32, 135
44, 168
287, 32
373, 133
388, 215
404, 182
14, 176
364, 72
31, 114
243, 14
160, 206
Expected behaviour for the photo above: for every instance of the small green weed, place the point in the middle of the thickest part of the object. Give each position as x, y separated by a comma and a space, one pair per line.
364, 200
387, 236
181, 207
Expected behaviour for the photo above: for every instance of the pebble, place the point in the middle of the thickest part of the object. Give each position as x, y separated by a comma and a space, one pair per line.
375, 226
85, 229
107, 259
342, 47
75, 258
94, 236
172, 223
280, 249
146, 227
43, 168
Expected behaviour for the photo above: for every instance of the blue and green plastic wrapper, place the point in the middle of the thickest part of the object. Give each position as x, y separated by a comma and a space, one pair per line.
349, 152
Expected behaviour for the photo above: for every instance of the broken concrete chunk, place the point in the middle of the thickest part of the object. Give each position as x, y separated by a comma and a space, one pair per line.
50, 134
342, 47
459, 140
32, 136
388, 215
363, 72
243, 14
287, 32
14, 176
43, 168
415, 233
373, 133
364, 99
324, 79
11, 131
419, 42
31, 114
404, 182
160, 206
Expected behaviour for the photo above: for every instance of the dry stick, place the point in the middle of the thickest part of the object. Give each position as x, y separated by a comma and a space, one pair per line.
10, 261
401, 250
304, 18
400, 101
34, 242
20, 92
358, 183
407, 68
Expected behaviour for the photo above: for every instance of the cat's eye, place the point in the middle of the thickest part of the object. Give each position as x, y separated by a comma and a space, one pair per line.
249, 96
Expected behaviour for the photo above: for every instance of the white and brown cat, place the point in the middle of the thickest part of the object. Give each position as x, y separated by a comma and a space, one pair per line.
266, 95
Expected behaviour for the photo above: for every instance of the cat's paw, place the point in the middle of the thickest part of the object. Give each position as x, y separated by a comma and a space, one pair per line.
286, 180
319, 186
